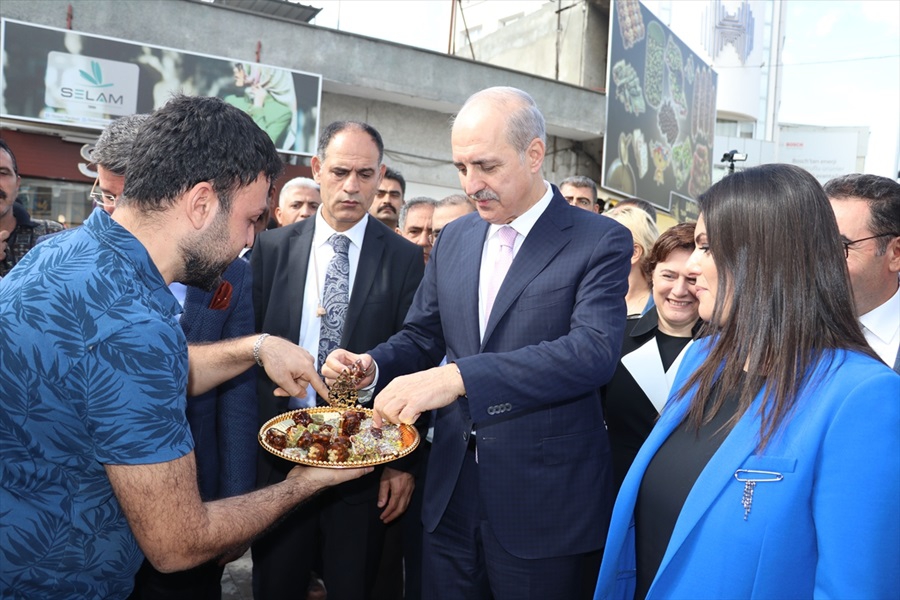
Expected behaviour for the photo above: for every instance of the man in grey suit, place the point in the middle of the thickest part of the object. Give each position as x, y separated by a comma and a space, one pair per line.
292, 271
526, 299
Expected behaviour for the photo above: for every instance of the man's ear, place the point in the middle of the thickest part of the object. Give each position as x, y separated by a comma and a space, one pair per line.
893, 252
534, 155
200, 205
316, 165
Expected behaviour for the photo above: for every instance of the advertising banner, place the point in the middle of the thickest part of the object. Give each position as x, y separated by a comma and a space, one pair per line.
64, 77
826, 152
660, 115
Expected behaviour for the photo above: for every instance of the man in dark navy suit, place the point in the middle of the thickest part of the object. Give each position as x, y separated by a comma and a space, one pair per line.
526, 299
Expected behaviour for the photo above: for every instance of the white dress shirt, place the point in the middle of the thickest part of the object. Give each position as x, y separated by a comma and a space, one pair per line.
881, 326
523, 225
320, 256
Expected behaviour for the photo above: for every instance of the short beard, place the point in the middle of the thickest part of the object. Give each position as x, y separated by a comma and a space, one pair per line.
202, 266
202, 272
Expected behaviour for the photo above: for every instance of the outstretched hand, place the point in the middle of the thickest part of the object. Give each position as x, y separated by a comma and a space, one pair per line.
290, 367
407, 397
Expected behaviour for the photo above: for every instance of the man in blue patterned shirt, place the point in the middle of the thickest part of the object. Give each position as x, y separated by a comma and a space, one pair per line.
97, 458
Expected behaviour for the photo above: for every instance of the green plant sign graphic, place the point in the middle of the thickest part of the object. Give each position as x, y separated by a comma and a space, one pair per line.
97, 77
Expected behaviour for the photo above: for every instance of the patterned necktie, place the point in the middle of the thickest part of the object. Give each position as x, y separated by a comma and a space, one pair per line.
335, 297
504, 259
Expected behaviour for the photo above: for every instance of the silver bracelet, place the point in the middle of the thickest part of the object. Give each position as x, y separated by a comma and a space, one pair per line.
257, 346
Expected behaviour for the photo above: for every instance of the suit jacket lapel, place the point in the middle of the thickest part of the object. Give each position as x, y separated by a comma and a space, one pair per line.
544, 241
369, 264
298, 264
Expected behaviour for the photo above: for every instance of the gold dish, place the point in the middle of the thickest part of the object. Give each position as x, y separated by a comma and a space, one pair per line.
409, 437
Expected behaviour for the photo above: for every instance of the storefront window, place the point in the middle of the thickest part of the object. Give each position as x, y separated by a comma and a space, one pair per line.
63, 201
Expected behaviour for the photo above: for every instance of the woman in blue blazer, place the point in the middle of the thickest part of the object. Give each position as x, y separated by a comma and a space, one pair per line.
774, 470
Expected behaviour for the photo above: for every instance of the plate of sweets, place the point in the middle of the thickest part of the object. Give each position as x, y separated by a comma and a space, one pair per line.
339, 436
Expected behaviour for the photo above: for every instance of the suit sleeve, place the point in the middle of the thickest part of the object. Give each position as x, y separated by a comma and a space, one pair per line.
564, 351
854, 499
237, 406
419, 344
410, 284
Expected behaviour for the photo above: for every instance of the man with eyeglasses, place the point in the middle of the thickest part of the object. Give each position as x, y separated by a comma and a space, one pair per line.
18, 231
867, 208
110, 155
389, 198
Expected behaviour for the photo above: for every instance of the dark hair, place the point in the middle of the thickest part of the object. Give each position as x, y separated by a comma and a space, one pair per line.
113, 147
193, 139
394, 174
786, 291
338, 126
641, 204
409, 204
12, 157
677, 237
580, 181
882, 196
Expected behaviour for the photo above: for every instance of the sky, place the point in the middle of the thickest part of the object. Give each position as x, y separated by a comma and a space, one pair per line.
832, 73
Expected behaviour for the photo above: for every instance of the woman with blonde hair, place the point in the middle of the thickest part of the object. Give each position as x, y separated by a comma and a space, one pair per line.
774, 469
644, 233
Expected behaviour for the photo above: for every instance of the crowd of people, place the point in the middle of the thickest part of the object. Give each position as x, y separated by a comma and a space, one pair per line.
605, 410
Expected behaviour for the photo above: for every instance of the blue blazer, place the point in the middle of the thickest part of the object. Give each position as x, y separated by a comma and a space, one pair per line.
552, 340
224, 420
830, 528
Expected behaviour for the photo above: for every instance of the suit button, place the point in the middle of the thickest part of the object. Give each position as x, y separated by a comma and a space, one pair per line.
490, 410
465, 437
508, 406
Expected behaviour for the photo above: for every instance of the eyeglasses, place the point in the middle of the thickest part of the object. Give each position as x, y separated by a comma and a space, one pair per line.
433, 236
849, 243
101, 199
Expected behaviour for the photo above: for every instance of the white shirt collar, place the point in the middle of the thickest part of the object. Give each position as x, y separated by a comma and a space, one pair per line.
324, 231
524, 222
884, 321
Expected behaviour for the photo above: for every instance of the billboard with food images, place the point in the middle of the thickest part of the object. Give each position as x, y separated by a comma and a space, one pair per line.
660, 113
68, 78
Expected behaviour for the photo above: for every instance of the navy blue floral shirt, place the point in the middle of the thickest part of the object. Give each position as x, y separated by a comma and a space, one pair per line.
93, 371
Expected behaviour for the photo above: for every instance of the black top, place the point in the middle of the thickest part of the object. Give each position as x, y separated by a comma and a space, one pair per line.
629, 413
668, 480
669, 347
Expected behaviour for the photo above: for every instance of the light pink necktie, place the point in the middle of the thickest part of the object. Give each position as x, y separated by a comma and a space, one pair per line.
501, 266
